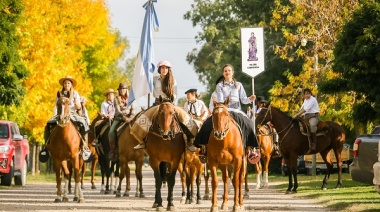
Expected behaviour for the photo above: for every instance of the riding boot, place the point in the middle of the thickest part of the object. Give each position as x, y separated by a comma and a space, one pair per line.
113, 154
189, 144
140, 146
202, 154
313, 142
276, 152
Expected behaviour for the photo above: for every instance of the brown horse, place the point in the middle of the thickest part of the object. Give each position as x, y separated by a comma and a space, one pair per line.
165, 146
94, 161
64, 147
293, 143
229, 170
190, 170
128, 153
225, 146
265, 139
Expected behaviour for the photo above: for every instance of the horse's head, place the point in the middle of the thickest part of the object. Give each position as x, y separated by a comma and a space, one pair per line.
264, 116
165, 119
220, 119
63, 111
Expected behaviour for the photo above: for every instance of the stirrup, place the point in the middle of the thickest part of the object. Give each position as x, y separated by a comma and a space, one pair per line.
191, 147
87, 155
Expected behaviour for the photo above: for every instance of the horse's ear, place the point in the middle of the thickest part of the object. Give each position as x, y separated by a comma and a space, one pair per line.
213, 101
172, 98
227, 101
160, 98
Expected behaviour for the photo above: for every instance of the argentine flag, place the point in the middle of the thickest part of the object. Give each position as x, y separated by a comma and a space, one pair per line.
142, 83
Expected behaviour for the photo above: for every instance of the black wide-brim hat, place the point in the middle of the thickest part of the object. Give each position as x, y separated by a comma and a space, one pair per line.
261, 99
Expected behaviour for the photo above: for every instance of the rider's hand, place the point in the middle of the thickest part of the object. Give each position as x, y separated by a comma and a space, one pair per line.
295, 116
124, 118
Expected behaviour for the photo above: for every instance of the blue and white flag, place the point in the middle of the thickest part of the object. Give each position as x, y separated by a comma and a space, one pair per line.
142, 83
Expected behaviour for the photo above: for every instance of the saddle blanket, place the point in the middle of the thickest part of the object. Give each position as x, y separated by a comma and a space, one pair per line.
141, 126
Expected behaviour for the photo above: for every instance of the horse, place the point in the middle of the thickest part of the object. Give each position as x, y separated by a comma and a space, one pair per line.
226, 146
190, 169
127, 153
94, 161
293, 143
229, 170
265, 139
165, 146
64, 147
107, 167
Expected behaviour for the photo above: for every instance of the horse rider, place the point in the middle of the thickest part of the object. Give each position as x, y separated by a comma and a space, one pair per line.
124, 113
233, 89
261, 102
310, 112
68, 83
196, 107
213, 95
107, 112
165, 85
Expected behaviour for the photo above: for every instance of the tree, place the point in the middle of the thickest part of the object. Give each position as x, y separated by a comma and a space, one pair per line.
357, 63
12, 71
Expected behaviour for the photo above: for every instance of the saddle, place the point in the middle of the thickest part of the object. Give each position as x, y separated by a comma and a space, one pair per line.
322, 127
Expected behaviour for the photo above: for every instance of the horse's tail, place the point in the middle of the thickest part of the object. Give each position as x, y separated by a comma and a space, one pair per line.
163, 168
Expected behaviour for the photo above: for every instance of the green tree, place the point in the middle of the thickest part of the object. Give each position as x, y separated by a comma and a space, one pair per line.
12, 71
357, 63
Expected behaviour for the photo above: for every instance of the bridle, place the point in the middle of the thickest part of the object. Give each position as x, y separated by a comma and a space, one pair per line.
226, 128
171, 133
63, 119
288, 127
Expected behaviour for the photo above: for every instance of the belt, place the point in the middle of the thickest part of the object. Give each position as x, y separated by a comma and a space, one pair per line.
235, 105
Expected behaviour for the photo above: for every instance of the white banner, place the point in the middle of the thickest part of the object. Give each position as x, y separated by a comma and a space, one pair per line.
252, 50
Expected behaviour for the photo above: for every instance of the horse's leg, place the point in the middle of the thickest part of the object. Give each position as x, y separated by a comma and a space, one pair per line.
117, 171
193, 173
290, 174
112, 178
237, 183
93, 170
265, 171
121, 177
198, 182
108, 175
103, 173
338, 156
182, 176
128, 181
58, 179
139, 176
171, 183
207, 189
225, 177
158, 182
67, 175
78, 190
83, 172
246, 190
188, 182
329, 165
258, 174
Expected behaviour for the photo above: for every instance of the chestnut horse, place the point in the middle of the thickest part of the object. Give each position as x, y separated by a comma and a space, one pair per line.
190, 170
64, 147
265, 139
128, 153
165, 145
293, 143
225, 146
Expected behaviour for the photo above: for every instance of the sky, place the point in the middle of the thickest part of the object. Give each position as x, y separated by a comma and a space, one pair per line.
175, 39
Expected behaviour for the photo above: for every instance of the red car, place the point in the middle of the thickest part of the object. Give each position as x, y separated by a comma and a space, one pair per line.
14, 154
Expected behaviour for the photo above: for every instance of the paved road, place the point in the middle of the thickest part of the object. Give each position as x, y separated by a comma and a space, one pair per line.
40, 196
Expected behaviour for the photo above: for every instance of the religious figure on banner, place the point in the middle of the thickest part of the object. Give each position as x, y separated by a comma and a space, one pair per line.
252, 48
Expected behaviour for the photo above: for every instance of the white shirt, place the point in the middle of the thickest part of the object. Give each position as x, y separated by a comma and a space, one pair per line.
157, 88
108, 108
237, 95
73, 101
198, 109
211, 105
310, 105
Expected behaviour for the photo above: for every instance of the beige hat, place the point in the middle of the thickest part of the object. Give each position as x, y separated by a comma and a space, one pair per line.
73, 81
110, 90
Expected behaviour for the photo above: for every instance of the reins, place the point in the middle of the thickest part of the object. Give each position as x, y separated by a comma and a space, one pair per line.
226, 126
289, 126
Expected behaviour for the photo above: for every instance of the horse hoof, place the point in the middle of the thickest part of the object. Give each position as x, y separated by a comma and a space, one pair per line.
70, 191
188, 201
171, 208
93, 187
81, 200
236, 209
206, 197
106, 192
161, 208
183, 200
76, 199
137, 195
114, 192
199, 201
102, 191
214, 209
82, 187
155, 205
65, 199
57, 200
224, 207
118, 195
142, 195
246, 196
324, 189
126, 194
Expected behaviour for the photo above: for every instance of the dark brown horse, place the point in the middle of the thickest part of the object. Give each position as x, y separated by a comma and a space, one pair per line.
225, 146
64, 147
190, 170
128, 153
94, 161
293, 143
165, 146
